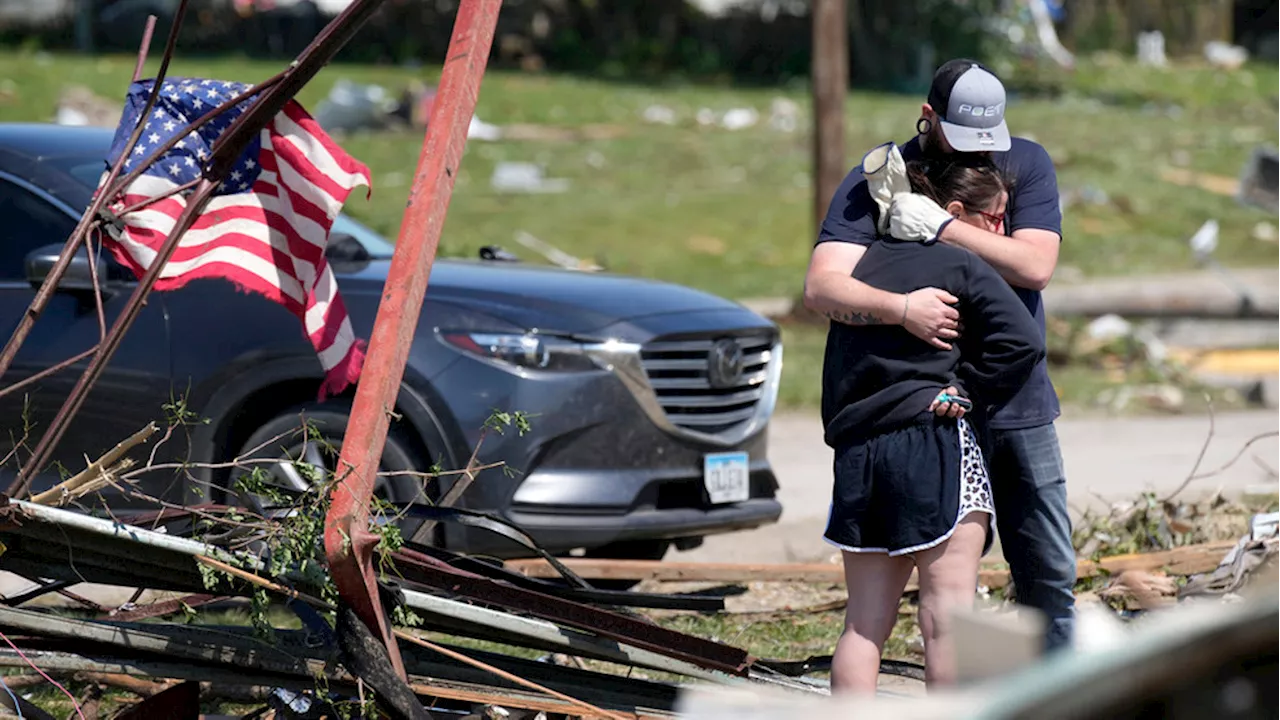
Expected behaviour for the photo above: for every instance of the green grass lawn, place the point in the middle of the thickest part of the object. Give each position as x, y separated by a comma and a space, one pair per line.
729, 211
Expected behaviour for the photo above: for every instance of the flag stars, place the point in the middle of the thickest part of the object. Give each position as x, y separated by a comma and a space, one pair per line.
244, 186
170, 125
153, 138
175, 169
138, 150
236, 175
158, 114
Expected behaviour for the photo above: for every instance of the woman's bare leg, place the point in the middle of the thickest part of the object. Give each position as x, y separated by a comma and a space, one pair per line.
875, 582
948, 579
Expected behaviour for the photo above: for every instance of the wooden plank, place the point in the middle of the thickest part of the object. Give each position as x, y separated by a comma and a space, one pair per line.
1216, 184
517, 699
1185, 560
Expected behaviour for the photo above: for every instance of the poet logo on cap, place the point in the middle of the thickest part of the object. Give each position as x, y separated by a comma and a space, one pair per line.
970, 100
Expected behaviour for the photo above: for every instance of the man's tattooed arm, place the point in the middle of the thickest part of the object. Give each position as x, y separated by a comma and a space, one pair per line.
852, 318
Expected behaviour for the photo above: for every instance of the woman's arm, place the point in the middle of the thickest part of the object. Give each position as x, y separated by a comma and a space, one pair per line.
1004, 343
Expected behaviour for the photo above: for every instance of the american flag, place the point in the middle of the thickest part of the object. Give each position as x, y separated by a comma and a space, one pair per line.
266, 227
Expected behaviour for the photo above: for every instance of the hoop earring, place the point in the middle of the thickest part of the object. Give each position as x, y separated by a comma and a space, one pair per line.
923, 126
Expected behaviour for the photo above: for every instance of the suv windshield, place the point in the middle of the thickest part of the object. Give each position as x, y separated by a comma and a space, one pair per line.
88, 169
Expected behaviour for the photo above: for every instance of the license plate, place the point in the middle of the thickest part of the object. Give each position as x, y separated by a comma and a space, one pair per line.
727, 477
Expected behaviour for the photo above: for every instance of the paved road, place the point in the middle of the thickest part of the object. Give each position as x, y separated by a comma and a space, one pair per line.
1106, 458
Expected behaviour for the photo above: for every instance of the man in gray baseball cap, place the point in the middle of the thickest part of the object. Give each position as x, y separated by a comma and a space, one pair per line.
963, 121
968, 102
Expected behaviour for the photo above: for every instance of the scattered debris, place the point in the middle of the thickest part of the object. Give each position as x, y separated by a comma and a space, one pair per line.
659, 115
784, 115
1151, 49
523, 177
549, 133
1205, 240
1225, 55
739, 118
1162, 397
707, 245
554, 254
1260, 180
351, 106
1216, 184
1107, 328
1139, 590
1087, 195
1233, 573
78, 105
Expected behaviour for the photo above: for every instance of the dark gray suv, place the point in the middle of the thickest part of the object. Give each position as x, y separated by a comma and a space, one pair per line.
648, 403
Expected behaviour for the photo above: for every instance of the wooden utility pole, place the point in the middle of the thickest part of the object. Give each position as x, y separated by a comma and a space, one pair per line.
830, 76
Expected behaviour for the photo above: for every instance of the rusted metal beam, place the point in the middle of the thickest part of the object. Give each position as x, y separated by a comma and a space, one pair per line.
621, 628
162, 608
348, 542
179, 702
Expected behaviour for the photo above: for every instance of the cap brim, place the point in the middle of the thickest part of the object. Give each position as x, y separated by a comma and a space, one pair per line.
969, 139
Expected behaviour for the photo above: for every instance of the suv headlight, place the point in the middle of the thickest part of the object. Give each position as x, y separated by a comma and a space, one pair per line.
528, 351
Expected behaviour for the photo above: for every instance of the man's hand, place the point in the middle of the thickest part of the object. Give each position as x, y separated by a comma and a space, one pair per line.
930, 317
942, 407
916, 217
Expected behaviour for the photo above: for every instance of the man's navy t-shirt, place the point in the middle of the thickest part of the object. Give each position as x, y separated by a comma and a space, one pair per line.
1033, 203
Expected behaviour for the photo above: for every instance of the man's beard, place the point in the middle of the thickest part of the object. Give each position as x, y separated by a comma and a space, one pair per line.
934, 144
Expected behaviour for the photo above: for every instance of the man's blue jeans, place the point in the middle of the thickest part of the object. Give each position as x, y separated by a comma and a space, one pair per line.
1030, 488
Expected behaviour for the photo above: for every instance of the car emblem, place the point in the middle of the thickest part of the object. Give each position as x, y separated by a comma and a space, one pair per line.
724, 363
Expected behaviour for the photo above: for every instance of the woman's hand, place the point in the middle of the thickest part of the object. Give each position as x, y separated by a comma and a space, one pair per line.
942, 406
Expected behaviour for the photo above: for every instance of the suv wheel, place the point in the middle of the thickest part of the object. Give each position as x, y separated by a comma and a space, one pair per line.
281, 439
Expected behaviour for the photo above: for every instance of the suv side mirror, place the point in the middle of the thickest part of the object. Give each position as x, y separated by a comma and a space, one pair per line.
78, 278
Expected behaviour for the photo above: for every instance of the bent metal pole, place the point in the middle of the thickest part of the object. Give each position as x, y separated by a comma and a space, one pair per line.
347, 540
230, 144
90, 217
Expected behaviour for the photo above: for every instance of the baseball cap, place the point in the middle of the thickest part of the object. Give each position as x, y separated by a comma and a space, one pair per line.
970, 101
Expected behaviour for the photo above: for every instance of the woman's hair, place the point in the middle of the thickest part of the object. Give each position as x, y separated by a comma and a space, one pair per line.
974, 183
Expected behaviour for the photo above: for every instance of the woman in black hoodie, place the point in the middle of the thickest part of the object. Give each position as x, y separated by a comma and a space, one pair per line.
911, 486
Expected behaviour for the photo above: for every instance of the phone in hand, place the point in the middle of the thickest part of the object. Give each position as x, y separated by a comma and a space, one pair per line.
962, 403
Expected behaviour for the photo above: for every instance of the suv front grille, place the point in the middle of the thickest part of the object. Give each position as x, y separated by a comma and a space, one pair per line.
702, 390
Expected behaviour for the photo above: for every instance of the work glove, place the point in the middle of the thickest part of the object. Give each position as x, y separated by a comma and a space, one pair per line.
915, 217
886, 175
